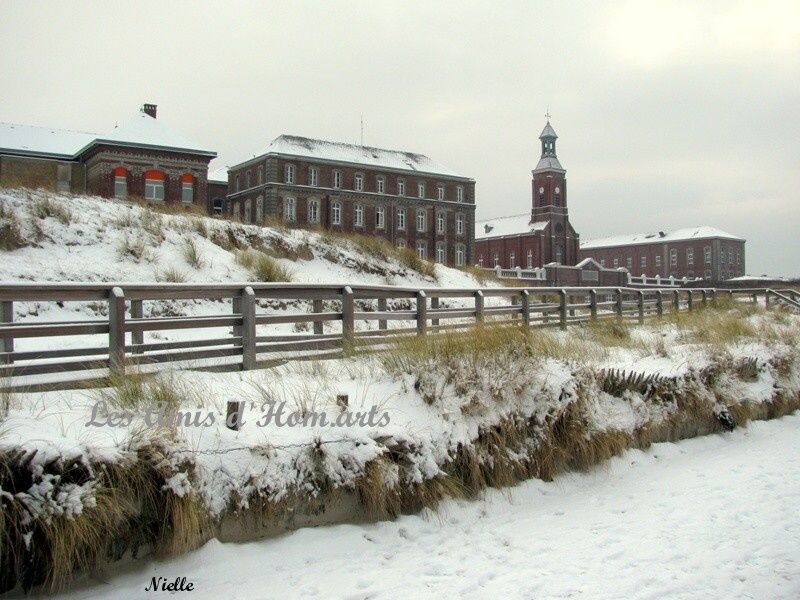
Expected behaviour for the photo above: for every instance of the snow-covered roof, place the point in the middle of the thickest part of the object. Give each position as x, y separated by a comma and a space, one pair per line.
548, 131
39, 141
548, 163
511, 225
293, 145
679, 235
142, 130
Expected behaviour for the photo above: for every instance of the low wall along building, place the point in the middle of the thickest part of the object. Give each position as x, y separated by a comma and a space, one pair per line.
403, 197
141, 157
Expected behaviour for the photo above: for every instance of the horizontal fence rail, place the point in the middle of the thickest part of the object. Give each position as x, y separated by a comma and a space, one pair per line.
244, 336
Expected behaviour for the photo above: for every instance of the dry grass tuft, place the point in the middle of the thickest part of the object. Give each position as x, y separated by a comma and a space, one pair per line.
171, 275
411, 260
11, 237
46, 207
192, 254
262, 267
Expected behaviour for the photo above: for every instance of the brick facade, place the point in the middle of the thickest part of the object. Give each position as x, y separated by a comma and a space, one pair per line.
269, 194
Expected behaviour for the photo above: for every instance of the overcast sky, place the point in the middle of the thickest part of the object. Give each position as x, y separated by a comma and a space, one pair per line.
669, 114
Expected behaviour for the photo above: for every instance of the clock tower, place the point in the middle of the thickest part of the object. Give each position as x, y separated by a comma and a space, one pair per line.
549, 202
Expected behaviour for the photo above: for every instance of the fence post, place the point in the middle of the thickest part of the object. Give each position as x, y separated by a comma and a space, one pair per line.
766, 298
676, 300
348, 315
640, 305
660, 303
248, 305
619, 303
562, 309
434, 306
422, 313
7, 316
704, 297
116, 331
137, 312
317, 307
689, 300
593, 303
478, 307
383, 324
525, 300
236, 309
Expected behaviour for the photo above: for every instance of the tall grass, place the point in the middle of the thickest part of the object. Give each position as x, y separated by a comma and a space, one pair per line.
262, 267
46, 207
11, 237
192, 254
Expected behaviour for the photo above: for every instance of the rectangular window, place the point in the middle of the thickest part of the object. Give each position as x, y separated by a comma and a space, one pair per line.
359, 182
602, 262
496, 259
288, 174
238, 188
401, 187
440, 222
420, 190
629, 263
461, 255
707, 255
289, 210
154, 190
440, 192
690, 256
337, 179
643, 262
422, 249
380, 185
187, 192
673, 257
460, 193
336, 213
260, 174
313, 176
422, 222
380, 217
358, 215
64, 177
401, 219
440, 252
512, 260
616, 263
313, 211
658, 260
738, 258
120, 186
460, 224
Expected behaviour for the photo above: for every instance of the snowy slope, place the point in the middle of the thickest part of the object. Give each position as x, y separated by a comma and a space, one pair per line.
713, 517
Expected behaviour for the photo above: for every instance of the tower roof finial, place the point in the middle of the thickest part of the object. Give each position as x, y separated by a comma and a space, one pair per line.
547, 114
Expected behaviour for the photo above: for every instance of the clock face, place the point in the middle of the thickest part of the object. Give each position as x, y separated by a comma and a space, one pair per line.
541, 190
558, 189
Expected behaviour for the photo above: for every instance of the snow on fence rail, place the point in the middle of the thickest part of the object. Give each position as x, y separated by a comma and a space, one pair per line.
242, 338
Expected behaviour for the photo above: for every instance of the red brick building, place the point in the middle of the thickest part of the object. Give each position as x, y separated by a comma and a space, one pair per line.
544, 235
403, 197
141, 157
704, 252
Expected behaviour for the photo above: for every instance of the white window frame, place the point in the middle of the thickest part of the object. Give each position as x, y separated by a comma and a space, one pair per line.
689, 257
401, 187
290, 210
512, 260
337, 179
152, 187
643, 262
380, 184
421, 190
358, 182
460, 193
441, 222
496, 259
422, 220
461, 255
400, 216
658, 260
615, 262
707, 254
336, 213
312, 210
629, 262
440, 192
380, 217
260, 174
673, 257
288, 174
441, 252
358, 215
530, 258
313, 176
460, 221
120, 186
187, 189
422, 249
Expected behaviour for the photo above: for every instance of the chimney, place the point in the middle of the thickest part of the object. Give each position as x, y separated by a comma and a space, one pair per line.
149, 109
487, 228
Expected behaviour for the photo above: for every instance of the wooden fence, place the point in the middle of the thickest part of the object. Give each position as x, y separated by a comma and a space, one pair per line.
358, 315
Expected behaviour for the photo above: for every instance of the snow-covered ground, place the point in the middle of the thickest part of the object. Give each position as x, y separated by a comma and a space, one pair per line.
712, 517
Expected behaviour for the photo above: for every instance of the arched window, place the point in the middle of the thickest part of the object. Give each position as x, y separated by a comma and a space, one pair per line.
120, 182
259, 209
289, 210
187, 189
154, 185
336, 213
248, 210
312, 211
